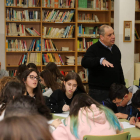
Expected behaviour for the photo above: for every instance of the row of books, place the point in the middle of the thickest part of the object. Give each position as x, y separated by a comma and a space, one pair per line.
66, 32
58, 3
35, 45
112, 4
136, 34
25, 15
93, 4
66, 72
48, 45
30, 58
23, 3
13, 29
12, 73
84, 17
88, 31
57, 16
83, 75
83, 45
137, 5
52, 57
56, 58
16, 45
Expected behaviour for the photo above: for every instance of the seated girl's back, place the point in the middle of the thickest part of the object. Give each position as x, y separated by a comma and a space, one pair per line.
87, 117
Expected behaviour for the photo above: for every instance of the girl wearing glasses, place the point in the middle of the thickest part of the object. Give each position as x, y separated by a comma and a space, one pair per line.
30, 78
60, 99
47, 80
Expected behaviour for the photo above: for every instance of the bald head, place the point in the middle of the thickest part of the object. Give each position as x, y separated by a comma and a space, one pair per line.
102, 29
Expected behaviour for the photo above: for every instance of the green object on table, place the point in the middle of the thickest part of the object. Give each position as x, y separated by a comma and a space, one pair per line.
57, 117
121, 136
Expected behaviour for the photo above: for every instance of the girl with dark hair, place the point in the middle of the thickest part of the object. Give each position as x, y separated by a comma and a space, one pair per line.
48, 81
25, 128
20, 70
11, 90
52, 67
60, 99
30, 78
87, 117
32, 66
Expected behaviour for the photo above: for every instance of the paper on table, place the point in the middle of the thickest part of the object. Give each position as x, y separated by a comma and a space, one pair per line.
127, 125
49, 122
64, 114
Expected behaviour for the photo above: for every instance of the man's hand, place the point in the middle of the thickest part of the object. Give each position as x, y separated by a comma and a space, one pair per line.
121, 116
137, 124
106, 63
66, 107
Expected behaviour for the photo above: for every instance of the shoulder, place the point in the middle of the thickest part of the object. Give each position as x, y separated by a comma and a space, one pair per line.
115, 48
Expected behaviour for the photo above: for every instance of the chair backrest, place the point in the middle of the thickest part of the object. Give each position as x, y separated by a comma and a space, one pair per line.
120, 136
136, 82
126, 83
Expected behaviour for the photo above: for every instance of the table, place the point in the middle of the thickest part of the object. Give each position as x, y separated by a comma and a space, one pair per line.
135, 132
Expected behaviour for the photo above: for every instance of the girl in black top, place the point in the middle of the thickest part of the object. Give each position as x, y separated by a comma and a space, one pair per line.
60, 99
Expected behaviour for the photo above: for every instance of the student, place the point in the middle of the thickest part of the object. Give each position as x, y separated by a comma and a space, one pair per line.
20, 70
32, 66
25, 128
87, 117
5, 80
11, 90
60, 99
48, 81
3, 73
25, 106
52, 67
136, 103
30, 78
122, 97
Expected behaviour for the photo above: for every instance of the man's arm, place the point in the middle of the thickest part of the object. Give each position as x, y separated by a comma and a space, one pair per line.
90, 59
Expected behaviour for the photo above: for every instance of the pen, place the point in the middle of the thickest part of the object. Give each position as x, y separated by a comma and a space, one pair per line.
136, 117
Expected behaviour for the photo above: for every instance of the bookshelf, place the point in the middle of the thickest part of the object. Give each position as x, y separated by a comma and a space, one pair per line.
38, 23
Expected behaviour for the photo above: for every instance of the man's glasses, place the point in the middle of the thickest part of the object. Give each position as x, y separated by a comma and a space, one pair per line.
34, 77
120, 102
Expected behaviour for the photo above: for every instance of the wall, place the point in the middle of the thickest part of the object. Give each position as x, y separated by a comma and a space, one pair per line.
124, 10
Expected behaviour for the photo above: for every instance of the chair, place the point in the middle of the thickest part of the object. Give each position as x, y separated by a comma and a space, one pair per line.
136, 82
121, 136
126, 83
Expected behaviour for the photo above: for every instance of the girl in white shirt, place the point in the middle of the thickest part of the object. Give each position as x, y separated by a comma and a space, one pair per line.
49, 82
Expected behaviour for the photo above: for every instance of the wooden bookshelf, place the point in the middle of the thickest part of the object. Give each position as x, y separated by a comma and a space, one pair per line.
12, 57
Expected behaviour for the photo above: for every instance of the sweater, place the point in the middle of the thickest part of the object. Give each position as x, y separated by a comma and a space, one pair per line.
58, 99
88, 124
101, 77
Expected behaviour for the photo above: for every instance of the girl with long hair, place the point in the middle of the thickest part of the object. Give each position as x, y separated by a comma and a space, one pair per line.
52, 67
47, 80
11, 90
25, 128
87, 117
60, 99
30, 78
